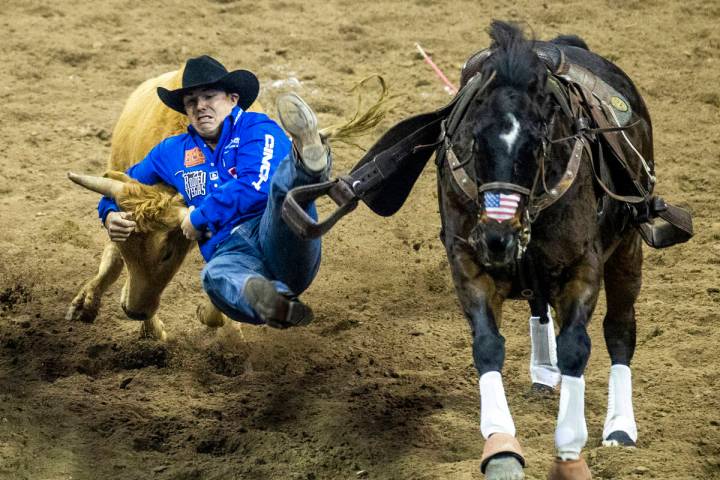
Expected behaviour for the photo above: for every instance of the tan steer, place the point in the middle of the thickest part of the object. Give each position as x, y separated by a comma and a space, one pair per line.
154, 253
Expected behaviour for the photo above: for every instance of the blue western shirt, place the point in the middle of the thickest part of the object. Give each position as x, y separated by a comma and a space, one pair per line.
228, 185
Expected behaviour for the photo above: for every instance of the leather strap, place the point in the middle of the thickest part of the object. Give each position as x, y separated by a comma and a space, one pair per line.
462, 179
568, 178
611, 194
503, 186
373, 171
293, 208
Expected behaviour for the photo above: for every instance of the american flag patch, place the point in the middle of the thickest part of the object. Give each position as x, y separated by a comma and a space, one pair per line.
500, 206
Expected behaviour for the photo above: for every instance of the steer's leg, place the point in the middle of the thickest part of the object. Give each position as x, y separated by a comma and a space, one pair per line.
574, 306
623, 277
86, 303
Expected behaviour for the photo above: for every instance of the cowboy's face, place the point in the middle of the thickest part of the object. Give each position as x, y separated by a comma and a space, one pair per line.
206, 109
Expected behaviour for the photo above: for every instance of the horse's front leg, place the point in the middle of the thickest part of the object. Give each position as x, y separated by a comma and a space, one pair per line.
574, 305
481, 302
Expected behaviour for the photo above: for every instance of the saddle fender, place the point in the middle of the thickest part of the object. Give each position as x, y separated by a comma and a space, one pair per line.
386, 174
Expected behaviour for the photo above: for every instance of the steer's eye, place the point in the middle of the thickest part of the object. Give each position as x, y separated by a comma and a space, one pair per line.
166, 255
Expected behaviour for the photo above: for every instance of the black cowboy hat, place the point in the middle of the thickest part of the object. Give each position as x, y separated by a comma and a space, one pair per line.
205, 71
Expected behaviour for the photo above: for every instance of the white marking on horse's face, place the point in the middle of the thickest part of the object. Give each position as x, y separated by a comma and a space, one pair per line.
510, 137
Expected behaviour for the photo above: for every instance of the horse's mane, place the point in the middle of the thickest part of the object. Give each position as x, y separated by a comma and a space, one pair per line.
514, 61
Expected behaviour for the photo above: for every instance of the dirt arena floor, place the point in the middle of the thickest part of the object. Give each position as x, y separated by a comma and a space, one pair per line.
382, 385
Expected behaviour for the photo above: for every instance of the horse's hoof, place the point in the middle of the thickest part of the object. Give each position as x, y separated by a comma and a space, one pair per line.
542, 389
504, 468
619, 438
502, 458
569, 470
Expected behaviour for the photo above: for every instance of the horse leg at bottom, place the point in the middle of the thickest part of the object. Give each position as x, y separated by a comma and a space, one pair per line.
502, 455
575, 307
623, 278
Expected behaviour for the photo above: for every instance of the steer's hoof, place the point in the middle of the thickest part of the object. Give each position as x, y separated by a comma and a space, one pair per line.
504, 468
153, 328
84, 307
209, 315
569, 470
619, 438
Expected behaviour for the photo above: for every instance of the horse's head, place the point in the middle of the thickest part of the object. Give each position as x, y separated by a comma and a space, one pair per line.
501, 140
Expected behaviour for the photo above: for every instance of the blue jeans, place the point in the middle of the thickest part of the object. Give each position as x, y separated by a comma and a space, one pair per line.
264, 246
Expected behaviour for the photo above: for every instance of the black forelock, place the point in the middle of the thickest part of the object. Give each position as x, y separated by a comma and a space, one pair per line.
514, 61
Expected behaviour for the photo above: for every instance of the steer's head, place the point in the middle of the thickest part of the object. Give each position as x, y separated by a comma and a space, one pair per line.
152, 254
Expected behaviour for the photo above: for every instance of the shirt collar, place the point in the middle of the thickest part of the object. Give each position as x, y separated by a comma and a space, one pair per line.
227, 126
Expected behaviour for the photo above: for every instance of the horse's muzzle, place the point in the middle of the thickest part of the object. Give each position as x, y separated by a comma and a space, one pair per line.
495, 243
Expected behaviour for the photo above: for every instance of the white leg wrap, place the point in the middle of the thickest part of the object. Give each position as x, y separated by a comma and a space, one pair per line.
620, 414
571, 432
494, 412
543, 353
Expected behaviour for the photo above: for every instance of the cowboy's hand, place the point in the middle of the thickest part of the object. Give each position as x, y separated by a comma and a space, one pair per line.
187, 227
119, 225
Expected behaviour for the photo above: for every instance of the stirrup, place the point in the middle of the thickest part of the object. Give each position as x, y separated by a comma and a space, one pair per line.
668, 226
304, 226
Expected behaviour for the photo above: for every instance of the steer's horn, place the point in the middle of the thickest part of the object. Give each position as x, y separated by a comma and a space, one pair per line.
106, 186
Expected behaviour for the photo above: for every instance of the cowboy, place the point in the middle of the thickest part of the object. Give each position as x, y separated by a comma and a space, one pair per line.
234, 168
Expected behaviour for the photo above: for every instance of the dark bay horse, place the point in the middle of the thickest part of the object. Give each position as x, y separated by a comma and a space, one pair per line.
545, 180
527, 212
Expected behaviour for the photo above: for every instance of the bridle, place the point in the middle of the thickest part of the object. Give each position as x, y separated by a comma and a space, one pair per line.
472, 190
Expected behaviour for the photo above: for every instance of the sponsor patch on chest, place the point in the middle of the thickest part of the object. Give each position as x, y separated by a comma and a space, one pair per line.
195, 183
194, 157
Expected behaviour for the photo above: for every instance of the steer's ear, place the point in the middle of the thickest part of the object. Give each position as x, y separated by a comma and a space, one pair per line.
115, 175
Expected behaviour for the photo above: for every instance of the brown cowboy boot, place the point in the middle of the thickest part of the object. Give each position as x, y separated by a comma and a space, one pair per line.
276, 309
299, 120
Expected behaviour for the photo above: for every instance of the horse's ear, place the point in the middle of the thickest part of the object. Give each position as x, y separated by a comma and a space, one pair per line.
536, 86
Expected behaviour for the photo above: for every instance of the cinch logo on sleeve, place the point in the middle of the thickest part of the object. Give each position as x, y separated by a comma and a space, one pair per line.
265, 166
